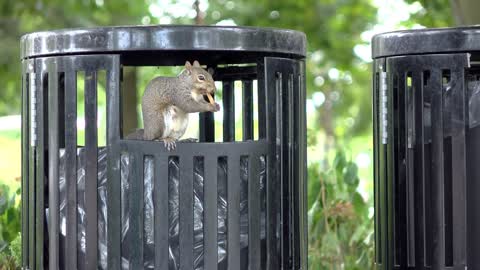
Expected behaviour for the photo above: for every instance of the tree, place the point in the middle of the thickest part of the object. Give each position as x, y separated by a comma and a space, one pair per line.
20, 17
443, 13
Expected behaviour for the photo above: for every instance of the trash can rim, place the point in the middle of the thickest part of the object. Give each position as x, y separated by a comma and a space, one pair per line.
425, 41
123, 39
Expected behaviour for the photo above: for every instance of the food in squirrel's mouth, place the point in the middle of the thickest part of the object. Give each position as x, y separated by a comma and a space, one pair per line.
208, 97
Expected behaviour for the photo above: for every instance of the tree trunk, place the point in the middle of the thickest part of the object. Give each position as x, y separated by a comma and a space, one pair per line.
465, 12
199, 17
129, 100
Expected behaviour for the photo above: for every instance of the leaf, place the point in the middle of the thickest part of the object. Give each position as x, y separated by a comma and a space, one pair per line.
314, 214
359, 205
350, 174
358, 235
313, 184
339, 161
330, 245
11, 215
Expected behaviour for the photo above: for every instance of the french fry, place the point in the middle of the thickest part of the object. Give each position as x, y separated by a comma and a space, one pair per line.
210, 98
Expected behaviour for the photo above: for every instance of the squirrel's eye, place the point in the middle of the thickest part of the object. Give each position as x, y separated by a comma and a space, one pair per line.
201, 77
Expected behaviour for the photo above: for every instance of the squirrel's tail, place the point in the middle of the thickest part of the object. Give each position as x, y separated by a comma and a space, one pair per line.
136, 135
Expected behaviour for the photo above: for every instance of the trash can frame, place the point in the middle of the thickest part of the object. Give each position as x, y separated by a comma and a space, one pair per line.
50, 61
425, 149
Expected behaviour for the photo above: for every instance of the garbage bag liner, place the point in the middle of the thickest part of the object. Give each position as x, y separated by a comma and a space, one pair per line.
173, 205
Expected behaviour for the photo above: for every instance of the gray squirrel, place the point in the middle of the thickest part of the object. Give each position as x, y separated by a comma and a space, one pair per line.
167, 101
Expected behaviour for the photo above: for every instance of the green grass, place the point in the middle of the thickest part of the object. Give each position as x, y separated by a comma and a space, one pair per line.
10, 158
14, 134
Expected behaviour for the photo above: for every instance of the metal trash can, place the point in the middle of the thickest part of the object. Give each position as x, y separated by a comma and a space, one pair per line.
65, 218
426, 147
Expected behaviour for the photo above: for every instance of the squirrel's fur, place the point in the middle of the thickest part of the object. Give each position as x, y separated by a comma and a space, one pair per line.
167, 101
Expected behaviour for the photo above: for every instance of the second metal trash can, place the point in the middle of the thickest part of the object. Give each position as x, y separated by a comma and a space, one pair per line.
426, 98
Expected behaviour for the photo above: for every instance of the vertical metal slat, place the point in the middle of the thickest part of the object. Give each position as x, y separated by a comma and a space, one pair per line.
400, 195
32, 172
207, 127
419, 173
160, 194
61, 62
26, 73
410, 169
113, 165
233, 213
281, 167
427, 152
293, 167
40, 173
301, 160
136, 180
91, 154
71, 166
253, 213
447, 110
438, 259
388, 186
186, 212
53, 166
376, 145
459, 162
262, 99
210, 213
272, 222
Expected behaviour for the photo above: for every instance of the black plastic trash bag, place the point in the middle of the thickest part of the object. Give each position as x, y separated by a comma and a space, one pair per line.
173, 204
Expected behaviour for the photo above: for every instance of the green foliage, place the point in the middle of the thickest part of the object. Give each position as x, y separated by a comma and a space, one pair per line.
16, 249
435, 13
10, 216
8, 262
11, 134
340, 228
20, 17
10, 239
11, 258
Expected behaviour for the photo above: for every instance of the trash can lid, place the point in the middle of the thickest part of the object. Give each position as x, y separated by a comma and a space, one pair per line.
421, 41
164, 38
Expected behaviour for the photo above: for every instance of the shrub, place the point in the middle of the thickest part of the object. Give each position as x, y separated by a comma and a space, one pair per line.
10, 222
340, 226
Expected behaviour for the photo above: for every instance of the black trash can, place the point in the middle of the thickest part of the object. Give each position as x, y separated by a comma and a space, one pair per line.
426, 98
238, 203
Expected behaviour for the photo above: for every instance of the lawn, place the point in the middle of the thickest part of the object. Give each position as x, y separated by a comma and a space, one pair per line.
10, 158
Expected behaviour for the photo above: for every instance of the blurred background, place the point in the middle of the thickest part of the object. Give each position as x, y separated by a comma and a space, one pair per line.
339, 105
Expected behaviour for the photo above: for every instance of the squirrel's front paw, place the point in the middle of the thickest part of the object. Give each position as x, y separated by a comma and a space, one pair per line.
216, 107
169, 143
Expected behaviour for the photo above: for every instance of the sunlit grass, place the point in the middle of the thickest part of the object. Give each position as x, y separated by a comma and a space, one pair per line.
10, 158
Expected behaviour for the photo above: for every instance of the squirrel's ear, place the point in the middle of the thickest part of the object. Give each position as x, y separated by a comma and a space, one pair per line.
196, 64
211, 71
188, 66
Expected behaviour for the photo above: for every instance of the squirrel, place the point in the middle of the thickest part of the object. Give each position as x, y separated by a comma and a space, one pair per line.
167, 101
